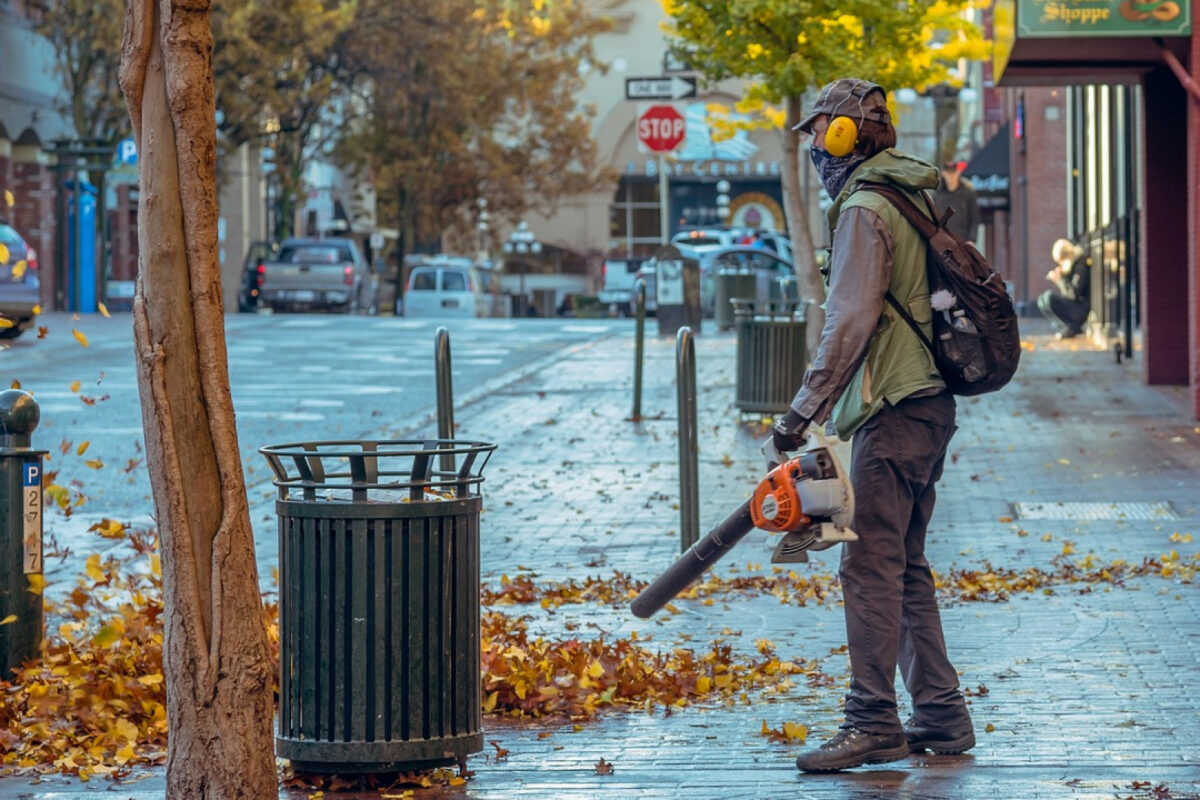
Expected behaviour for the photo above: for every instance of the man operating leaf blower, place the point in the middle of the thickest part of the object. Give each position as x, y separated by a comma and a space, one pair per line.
873, 379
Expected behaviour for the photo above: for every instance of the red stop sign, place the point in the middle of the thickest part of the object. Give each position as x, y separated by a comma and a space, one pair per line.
661, 129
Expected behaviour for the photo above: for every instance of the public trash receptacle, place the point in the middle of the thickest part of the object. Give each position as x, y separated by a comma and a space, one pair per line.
731, 283
379, 650
771, 355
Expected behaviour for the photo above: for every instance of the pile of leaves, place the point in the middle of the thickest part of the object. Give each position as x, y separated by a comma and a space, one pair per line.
997, 584
535, 677
95, 703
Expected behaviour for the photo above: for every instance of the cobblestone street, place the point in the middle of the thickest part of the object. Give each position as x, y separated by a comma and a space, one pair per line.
1078, 690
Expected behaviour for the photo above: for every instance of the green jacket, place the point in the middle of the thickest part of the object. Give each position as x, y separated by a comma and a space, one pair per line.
896, 364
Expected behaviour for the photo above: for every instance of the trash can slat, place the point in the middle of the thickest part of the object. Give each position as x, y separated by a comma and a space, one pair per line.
357, 709
379, 633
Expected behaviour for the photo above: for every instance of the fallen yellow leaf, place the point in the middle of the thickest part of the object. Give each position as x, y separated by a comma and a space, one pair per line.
37, 582
6, 323
19, 268
9, 619
37, 309
9, 200
795, 731
92, 568
106, 636
126, 730
103, 308
75, 387
3, 253
79, 337
94, 463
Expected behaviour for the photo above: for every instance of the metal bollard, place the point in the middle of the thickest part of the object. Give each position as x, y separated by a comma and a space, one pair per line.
639, 291
21, 538
445, 394
689, 469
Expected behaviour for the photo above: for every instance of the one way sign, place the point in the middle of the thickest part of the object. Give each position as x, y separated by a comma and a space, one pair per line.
669, 88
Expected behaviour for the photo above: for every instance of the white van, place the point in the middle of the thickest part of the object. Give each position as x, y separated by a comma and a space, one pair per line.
445, 290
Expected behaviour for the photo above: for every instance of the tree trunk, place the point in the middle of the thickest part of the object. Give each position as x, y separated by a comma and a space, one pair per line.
216, 660
808, 278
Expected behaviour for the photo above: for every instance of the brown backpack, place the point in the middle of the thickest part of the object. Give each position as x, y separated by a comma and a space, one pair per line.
976, 344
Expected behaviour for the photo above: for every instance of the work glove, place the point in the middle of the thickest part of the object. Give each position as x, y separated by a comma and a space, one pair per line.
787, 434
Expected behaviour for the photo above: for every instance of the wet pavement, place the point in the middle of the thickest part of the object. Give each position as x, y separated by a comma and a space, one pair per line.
1078, 690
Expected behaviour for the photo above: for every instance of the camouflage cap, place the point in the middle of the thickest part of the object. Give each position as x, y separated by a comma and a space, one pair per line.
853, 97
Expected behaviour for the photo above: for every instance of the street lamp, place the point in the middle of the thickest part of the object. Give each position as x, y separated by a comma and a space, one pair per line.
482, 227
522, 241
723, 188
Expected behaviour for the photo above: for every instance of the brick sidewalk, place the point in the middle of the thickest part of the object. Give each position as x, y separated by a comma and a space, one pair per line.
1083, 692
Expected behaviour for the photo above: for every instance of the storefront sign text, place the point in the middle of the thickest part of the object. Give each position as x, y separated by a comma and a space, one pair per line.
1076, 18
707, 169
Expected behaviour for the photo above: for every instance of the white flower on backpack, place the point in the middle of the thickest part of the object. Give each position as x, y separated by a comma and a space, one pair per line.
943, 300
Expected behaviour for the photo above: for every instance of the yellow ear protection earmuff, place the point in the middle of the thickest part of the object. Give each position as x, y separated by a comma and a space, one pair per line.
841, 135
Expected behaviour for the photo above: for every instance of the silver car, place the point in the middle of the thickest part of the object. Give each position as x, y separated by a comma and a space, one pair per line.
20, 289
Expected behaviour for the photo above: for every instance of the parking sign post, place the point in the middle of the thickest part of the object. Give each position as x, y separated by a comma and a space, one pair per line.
21, 503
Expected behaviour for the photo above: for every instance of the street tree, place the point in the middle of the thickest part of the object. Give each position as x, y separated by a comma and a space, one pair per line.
85, 37
471, 99
275, 68
215, 661
784, 49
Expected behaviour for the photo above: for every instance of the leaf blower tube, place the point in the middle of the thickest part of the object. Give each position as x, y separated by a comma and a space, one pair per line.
807, 498
699, 557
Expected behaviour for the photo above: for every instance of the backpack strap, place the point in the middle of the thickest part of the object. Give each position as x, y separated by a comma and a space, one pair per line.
924, 225
907, 208
912, 323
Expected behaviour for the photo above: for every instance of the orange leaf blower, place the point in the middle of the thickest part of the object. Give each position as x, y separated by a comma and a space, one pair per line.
807, 498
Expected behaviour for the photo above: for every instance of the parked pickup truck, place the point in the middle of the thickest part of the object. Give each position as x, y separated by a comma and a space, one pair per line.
317, 273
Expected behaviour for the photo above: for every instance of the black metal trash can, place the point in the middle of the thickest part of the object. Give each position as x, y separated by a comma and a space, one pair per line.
771, 355
378, 603
731, 283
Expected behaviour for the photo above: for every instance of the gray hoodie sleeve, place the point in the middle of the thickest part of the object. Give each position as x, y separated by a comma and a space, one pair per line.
860, 271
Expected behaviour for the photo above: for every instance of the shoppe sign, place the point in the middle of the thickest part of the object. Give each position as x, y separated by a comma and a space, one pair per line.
1111, 18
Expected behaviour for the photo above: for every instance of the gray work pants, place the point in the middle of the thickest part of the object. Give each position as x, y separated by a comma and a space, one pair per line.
891, 610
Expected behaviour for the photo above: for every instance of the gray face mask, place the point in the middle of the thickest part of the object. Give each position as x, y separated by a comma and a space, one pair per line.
834, 171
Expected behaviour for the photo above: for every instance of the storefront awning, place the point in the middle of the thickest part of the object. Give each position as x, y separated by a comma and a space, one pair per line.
1059, 42
988, 172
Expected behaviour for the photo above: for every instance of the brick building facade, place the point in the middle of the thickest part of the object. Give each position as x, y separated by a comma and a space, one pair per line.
1115, 170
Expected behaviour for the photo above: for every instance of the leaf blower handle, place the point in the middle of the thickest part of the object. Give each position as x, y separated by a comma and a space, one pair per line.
689, 566
787, 434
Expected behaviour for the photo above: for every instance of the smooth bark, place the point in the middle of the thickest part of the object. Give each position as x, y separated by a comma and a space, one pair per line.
808, 279
216, 660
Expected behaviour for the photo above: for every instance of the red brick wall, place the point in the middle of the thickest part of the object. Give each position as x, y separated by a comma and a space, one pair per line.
122, 222
5, 183
1165, 228
1193, 148
32, 185
1039, 186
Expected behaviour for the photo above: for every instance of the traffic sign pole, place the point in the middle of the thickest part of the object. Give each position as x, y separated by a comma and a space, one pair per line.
661, 129
664, 205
